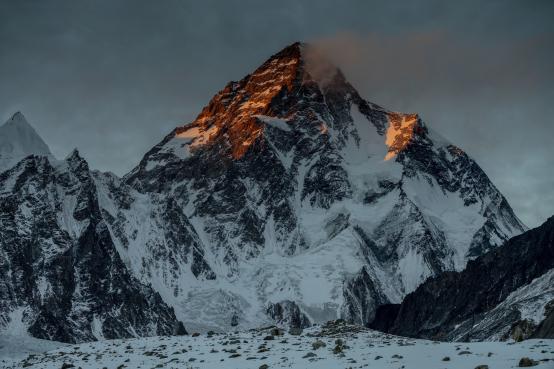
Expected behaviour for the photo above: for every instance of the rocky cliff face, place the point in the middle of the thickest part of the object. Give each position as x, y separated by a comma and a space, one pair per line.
61, 277
291, 188
506, 293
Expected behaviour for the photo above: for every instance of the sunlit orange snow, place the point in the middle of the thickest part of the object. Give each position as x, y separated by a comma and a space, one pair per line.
399, 133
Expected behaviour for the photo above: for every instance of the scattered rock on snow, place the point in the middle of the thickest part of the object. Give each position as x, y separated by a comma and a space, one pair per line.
527, 362
318, 344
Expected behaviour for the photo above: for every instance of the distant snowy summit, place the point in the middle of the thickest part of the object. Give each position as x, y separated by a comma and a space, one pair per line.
18, 139
289, 200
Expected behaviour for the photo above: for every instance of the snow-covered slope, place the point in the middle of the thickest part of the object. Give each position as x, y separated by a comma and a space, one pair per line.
289, 189
16, 343
335, 347
18, 140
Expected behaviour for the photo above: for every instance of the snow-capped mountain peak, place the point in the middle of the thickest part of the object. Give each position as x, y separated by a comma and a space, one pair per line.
288, 179
289, 199
19, 139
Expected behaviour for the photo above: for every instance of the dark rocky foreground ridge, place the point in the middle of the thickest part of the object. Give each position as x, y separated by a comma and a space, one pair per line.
477, 302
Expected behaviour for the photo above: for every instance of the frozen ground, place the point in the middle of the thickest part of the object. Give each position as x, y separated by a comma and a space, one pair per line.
18, 347
361, 348
16, 344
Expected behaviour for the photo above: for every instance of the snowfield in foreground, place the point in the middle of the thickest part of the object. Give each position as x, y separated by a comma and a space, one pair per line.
334, 345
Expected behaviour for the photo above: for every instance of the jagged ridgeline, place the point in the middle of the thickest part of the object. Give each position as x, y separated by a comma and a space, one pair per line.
289, 199
61, 277
507, 293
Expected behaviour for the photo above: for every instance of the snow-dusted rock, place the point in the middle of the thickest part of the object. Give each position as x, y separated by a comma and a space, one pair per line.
61, 277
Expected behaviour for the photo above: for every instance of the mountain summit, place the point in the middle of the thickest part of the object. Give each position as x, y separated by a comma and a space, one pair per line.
19, 139
288, 182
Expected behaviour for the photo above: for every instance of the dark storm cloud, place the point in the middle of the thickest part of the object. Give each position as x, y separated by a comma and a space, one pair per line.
112, 78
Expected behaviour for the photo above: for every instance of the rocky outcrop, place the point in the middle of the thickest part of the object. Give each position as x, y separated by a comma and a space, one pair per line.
289, 314
361, 299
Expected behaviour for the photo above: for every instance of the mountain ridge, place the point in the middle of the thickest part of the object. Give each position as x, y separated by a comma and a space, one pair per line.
481, 301
60, 276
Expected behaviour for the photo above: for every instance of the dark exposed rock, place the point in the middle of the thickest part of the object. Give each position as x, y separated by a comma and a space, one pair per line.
521, 330
288, 313
295, 331
527, 362
317, 344
384, 317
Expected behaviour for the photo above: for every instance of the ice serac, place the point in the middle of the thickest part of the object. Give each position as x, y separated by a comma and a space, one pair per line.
18, 139
61, 277
289, 187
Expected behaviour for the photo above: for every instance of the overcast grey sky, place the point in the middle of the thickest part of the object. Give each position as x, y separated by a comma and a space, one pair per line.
113, 77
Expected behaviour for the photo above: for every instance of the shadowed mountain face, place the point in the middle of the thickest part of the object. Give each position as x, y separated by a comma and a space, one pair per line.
505, 293
289, 199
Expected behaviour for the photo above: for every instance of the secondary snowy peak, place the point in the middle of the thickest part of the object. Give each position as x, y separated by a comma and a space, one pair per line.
19, 139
